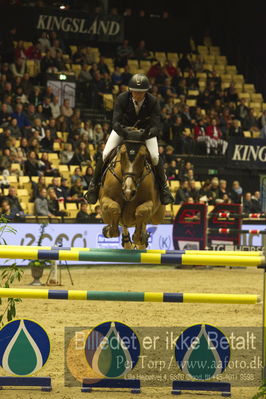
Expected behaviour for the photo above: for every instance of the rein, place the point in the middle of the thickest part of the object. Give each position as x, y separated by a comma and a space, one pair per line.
137, 180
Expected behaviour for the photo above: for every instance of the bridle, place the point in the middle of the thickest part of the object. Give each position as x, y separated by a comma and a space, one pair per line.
136, 179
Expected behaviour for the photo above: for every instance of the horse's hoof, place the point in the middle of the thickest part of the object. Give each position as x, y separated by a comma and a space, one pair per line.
126, 241
110, 232
105, 231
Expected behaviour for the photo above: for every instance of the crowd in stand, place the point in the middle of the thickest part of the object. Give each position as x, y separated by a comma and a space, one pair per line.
31, 117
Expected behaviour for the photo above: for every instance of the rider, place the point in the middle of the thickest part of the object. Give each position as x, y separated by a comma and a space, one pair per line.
137, 108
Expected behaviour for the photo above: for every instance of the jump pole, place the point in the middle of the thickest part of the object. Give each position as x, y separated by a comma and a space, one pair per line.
134, 257
130, 251
129, 296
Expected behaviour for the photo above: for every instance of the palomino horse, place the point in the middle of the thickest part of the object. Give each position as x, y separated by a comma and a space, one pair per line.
129, 195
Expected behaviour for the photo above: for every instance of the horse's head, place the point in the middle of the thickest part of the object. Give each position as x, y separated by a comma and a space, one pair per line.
133, 155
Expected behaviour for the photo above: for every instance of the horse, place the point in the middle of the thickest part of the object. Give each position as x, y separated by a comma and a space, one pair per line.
129, 195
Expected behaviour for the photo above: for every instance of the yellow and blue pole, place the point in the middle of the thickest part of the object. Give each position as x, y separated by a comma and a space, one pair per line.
174, 297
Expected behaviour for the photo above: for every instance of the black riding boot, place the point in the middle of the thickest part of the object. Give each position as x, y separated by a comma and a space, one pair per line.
165, 194
94, 187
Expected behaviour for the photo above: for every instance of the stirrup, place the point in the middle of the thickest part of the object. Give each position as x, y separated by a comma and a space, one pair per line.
92, 194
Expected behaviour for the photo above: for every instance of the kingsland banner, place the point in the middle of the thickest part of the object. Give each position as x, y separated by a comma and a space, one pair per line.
71, 25
247, 153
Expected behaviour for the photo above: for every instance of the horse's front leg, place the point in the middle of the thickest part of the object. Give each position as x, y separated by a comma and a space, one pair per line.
126, 241
143, 214
111, 213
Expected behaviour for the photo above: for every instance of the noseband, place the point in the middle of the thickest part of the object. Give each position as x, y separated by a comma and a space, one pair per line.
136, 179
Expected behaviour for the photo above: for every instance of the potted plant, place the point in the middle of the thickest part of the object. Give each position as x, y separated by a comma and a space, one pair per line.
38, 265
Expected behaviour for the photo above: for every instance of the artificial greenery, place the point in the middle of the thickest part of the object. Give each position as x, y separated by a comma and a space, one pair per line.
262, 391
8, 275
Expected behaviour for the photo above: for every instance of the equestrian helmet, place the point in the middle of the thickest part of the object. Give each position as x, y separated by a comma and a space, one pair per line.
139, 82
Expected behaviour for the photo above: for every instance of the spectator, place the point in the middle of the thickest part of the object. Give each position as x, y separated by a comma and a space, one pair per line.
88, 176
23, 122
35, 97
218, 145
55, 107
184, 63
201, 137
65, 189
31, 113
46, 166
116, 76
236, 192
248, 205
96, 216
82, 215
182, 193
81, 156
15, 205
53, 204
18, 68
222, 190
41, 204
5, 160
14, 128
236, 129
39, 113
172, 171
37, 187
97, 134
52, 127
86, 132
20, 51
102, 66
76, 190
44, 42
170, 68
75, 120
47, 143
193, 190
7, 211
126, 76
250, 122
34, 52
141, 52
61, 124
32, 166
256, 199
67, 154
46, 109
5, 117
4, 138
37, 130
214, 190
56, 186
123, 53
77, 175
178, 130
85, 80
66, 109
24, 147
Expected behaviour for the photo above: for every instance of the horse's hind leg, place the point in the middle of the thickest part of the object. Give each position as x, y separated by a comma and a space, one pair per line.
111, 212
126, 241
143, 214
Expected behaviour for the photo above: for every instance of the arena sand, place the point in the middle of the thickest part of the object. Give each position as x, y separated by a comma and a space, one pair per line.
55, 315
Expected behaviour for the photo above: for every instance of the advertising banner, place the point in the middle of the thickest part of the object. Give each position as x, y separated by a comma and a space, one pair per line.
246, 153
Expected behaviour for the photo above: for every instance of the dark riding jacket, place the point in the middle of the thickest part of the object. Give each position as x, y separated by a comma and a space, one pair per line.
148, 117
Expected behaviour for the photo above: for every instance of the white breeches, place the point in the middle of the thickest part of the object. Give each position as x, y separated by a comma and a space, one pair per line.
213, 143
114, 140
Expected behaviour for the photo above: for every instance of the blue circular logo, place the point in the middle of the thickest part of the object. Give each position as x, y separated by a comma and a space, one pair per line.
202, 352
25, 347
112, 349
